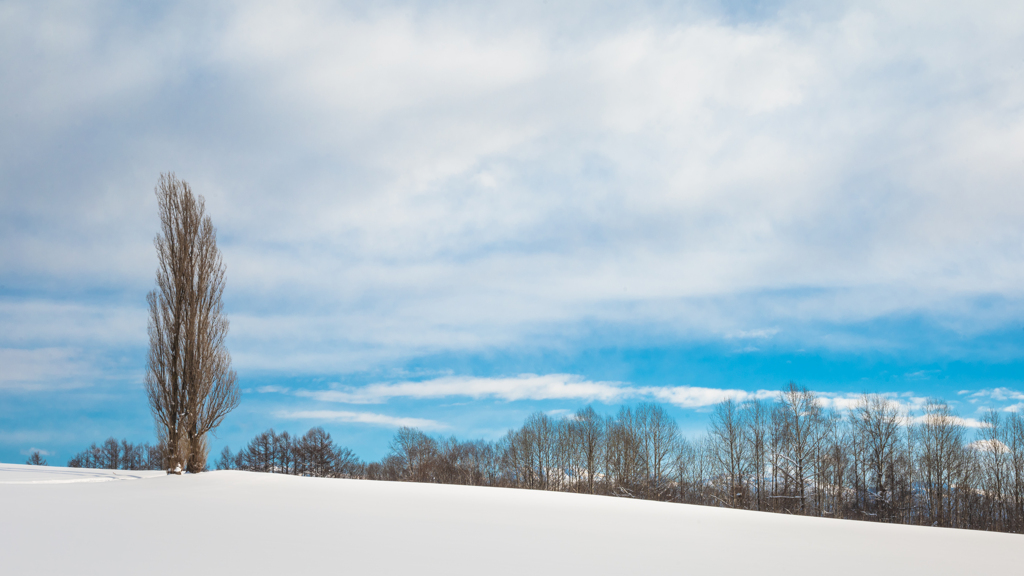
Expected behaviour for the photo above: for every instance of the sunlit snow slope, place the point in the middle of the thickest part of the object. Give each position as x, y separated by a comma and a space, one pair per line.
66, 521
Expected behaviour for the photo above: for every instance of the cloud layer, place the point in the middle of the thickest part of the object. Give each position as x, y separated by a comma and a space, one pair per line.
411, 178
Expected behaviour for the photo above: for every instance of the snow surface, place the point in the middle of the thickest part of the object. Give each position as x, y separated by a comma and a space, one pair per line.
69, 521
22, 474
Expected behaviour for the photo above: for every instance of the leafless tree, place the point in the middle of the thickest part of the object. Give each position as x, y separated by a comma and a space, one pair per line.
995, 469
155, 456
661, 434
877, 423
591, 432
115, 455
111, 454
287, 453
389, 468
415, 451
757, 420
625, 461
319, 454
226, 460
346, 464
531, 452
259, 455
132, 456
1015, 444
189, 381
942, 461
703, 470
834, 466
727, 434
36, 459
800, 416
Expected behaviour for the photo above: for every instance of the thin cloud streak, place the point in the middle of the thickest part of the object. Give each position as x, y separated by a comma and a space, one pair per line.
531, 387
523, 387
574, 387
1000, 394
362, 418
959, 420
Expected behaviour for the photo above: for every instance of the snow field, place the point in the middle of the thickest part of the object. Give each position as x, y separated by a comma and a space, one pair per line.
54, 522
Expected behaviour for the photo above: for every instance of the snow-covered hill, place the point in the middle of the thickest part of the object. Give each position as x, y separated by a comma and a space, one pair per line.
69, 521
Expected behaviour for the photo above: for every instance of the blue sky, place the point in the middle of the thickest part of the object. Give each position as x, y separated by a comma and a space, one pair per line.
452, 215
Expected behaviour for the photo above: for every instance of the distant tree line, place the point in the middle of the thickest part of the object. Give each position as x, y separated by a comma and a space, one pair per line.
119, 455
312, 454
788, 455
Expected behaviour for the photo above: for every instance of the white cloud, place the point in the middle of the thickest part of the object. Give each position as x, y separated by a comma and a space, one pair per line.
909, 404
636, 172
989, 446
965, 422
532, 387
840, 402
759, 333
45, 369
363, 418
523, 387
697, 397
1001, 394
41, 321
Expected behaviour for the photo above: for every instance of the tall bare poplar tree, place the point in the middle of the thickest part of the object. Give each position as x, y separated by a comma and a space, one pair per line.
190, 383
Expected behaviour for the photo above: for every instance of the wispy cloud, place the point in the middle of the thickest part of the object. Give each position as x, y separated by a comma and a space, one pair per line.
45, 369
523, 387
989, 446
962, 421
1001, 394
760, 333
534, 387
531, 387
698, 397
362, 418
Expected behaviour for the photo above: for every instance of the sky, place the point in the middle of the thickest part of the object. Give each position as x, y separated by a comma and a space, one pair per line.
450, 215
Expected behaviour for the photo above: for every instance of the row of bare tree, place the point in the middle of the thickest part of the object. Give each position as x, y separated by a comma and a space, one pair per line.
312, 454
123, 455
872, 461
791, 455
